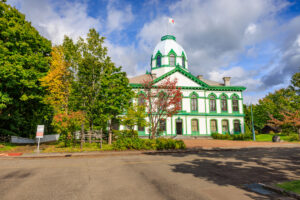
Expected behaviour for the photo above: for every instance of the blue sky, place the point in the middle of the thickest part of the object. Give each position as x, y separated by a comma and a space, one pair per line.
255, 42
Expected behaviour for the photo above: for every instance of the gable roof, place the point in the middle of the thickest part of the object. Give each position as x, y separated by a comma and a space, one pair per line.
183, 72
136, 82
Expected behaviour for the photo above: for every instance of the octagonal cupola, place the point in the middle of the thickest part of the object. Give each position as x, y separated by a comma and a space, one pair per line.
168, 54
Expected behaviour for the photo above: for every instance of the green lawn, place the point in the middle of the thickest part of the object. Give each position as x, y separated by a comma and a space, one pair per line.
293, 186
6, 146
268, 138
86, 147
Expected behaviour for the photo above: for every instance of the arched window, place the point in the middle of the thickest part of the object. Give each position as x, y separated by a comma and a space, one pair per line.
223, 103
212, 103
172, 60
141, 99
235, 104
162, 125
158, 61
195, 124
194, 103
225, 126
213, 126
237, 126
183, 62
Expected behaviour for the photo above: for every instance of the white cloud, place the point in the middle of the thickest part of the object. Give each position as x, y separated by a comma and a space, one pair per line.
239, 77
117, 19
251, 29
56, 20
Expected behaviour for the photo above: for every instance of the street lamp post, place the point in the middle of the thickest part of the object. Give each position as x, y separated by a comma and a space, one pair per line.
253, 131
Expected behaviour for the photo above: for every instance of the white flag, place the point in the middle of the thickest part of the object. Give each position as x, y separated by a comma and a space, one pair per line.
171, 21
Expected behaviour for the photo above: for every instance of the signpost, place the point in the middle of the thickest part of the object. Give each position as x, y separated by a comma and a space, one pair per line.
39, 135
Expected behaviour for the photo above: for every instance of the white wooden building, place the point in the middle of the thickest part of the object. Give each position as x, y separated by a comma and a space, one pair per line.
207, 106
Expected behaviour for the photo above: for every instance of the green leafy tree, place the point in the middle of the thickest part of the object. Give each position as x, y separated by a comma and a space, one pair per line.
24, 59
285, 100
135, 116
99, 88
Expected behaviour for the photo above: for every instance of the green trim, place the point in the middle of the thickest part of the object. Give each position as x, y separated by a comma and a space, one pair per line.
182, 133
185, 73
237, 132
168, 37
195, 133
226, 99
210, 125
172, 52
186, 126
191, 99
163, 132
205, 112
171, 125
142, 133
228, 126
212, 94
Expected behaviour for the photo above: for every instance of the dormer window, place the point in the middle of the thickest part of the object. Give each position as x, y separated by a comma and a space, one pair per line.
172, 60
158, 61
183, 62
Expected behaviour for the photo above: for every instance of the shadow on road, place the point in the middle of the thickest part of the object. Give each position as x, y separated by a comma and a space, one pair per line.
242, 166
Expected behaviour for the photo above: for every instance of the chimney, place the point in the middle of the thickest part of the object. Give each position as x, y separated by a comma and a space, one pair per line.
226, 81
200, 77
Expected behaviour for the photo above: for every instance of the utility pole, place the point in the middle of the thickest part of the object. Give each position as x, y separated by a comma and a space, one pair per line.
253, 132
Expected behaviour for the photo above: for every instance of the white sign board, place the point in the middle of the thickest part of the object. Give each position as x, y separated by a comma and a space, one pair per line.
40, 131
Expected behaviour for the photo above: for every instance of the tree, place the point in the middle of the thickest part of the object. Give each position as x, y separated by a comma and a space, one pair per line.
24, 59
135, 116
275, 105
162, 100
99, 88
289, 120
58, 81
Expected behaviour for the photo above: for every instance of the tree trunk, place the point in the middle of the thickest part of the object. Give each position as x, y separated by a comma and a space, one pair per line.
82, 136
299, 133
90, 132
152, 133
101, 138
109, 133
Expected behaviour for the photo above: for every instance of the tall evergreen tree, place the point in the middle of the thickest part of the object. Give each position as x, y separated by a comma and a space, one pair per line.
24, 59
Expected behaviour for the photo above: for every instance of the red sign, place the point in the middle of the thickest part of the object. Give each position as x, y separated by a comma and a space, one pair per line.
40, 131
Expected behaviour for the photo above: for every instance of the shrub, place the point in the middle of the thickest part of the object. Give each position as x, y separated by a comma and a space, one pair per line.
293, 137
124, 143
126, 134
220, 136
245, 136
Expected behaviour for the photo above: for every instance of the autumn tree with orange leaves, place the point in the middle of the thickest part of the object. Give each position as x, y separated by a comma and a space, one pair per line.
58, 85
288, 119
162, 100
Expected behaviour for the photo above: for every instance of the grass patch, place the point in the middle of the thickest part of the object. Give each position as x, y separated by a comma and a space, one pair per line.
268, 138
7, 147
60, 148
264, 137
292, 186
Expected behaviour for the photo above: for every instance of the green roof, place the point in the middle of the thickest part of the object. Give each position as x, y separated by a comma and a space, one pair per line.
168, 37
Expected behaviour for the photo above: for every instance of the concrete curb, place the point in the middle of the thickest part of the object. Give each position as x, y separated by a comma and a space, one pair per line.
281, 191
130, 152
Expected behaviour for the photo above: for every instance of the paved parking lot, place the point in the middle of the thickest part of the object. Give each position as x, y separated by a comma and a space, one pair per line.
205, 175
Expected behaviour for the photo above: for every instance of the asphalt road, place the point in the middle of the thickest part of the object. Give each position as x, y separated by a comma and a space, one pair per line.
202, 175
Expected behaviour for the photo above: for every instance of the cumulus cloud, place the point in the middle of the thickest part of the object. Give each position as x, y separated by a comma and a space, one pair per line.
289, 56
54, 20
118, 18
215, 32
239, 76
